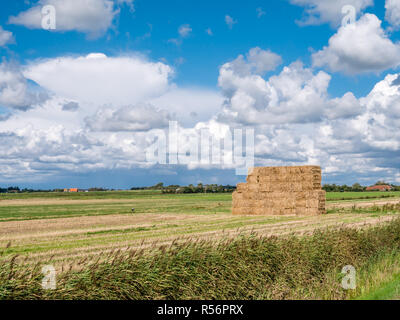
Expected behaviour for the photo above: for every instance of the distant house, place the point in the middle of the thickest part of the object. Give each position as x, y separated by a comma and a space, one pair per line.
71, 190
380, 188
179, 190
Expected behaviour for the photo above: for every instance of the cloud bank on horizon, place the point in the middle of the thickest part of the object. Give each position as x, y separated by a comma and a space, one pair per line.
90, 109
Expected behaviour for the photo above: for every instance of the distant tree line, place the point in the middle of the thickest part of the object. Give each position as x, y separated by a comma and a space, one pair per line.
343, 188
27, 190
97, 189
18, 190
200, 188
158, 186
203, 188
355, 187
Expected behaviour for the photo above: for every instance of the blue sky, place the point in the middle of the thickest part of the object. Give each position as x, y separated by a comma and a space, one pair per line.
245, 75
203, 54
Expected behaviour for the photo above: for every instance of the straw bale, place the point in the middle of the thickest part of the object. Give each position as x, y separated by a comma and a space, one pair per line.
280, 191
241, 187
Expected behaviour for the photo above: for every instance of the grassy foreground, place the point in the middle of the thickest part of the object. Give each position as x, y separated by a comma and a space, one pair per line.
248, 267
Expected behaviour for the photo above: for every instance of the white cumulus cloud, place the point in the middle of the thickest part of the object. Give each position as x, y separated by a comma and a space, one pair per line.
257, 61
296, 95
141, 117
100, 79
393, 13
230, 21
295, 120
184, 30
328, 11
92, 17
6, 37
14, 89
360, 47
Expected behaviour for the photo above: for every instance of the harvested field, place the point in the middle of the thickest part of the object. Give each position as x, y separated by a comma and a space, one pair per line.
65, 230
362, 204
251, 267
72, 233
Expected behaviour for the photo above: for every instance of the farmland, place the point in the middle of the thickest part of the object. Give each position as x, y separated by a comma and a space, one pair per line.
66, 229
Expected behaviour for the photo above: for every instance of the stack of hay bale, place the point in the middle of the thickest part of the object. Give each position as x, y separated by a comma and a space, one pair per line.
281, 191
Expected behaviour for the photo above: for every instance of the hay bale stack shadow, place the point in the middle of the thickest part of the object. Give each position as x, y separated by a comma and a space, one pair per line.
281, 191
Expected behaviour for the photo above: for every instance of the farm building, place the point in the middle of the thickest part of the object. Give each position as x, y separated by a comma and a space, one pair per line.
380, 188
71, 190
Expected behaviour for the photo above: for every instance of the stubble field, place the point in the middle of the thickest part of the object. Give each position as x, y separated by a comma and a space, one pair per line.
67, 226
70, 230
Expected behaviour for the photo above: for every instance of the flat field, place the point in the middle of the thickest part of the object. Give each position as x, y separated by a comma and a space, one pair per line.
97, 236
65, 227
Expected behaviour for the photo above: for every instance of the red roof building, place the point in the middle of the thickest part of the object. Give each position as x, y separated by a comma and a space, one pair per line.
380, 188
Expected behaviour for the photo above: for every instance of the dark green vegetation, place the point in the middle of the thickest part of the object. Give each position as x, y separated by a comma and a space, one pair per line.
388, 291
356, 187
248, 267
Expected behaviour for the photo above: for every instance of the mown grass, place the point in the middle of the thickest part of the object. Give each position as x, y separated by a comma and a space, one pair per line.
343, 196
30, 212
188, 205
116, 236
159, 231
118, 231
248, 267
79, 195
373, 210
151, 201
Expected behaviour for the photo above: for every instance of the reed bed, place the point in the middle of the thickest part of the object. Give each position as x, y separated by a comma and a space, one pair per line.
247, 267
